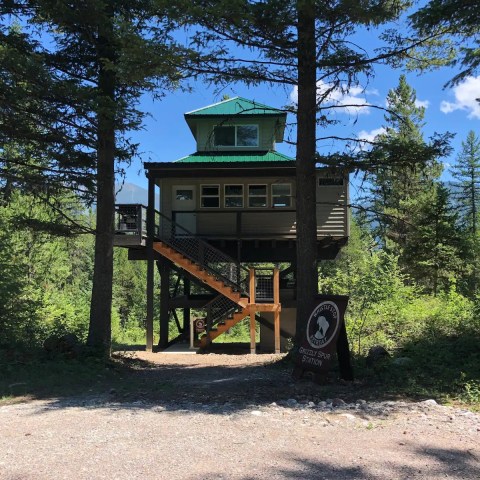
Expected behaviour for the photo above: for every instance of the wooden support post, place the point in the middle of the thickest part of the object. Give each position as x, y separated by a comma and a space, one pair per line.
276, 314
251, 292
164, 301
150, 263
253, 344
276, 322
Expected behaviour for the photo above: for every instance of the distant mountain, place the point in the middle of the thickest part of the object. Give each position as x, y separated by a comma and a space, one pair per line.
131, 193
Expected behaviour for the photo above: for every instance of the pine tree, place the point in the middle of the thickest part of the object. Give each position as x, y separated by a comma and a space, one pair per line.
103, 55
466, 173
433, 252
401, 186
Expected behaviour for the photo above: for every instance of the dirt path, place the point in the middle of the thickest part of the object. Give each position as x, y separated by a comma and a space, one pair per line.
229, 417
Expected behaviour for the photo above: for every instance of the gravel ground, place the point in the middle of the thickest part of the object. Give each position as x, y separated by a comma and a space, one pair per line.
229, 417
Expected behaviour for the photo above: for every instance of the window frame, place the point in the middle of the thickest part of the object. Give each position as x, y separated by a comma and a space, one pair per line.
236, 136
257, 196
225, 195
202, 196
280, 196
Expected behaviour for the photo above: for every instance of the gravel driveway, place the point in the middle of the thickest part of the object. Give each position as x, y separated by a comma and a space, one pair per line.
232, 418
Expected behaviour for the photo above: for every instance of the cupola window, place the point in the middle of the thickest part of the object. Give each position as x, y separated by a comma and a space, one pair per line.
236, 136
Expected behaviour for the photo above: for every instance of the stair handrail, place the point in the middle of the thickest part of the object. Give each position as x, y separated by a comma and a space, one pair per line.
195, 248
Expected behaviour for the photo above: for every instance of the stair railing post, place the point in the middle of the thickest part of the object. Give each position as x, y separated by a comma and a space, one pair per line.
252, 285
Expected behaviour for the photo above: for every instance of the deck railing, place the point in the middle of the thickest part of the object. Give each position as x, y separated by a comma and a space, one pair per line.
131, 219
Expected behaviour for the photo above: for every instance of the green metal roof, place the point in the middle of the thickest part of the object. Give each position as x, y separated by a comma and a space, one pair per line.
235, 106
235, 157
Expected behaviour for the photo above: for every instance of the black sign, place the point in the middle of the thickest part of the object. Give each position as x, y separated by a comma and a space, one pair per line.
321, 333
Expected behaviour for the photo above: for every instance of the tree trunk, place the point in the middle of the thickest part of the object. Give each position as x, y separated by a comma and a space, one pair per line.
99, 333
307, 277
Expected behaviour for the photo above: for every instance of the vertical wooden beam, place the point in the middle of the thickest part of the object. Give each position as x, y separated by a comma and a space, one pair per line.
252, 285
150, 263
276, 286
276, 326
276, 314
253, 344
164, 301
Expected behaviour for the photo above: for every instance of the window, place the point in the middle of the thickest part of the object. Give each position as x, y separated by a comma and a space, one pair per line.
236, 136
210, 196
281, 195
233, 196
184, 194
257, 196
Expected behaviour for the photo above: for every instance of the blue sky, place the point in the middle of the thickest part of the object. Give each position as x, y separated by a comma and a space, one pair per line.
166, 137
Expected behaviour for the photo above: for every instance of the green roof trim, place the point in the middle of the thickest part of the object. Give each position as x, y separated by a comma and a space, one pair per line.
235, 106
235, 157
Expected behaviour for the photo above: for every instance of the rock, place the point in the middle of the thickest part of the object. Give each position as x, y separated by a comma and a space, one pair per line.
361, 401
322, 404
291, 402
338, 402
429, 403
376, 354
402, 361
273, 404
311, 404
257, 413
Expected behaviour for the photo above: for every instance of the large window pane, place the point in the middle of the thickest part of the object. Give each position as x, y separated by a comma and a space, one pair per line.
234, 190
210, 190
247, 136
210, 202
257, 190
257, 202
234, 202
224, 136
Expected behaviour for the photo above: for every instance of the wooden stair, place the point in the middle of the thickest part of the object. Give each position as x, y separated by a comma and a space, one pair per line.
223, 327
196, 270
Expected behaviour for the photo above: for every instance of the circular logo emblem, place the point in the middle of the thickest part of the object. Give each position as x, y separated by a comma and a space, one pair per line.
323, 324
200, 325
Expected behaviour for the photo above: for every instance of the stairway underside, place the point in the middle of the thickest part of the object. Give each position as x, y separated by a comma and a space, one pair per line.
245, 308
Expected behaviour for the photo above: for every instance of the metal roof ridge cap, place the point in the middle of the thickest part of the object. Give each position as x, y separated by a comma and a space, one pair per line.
212, 105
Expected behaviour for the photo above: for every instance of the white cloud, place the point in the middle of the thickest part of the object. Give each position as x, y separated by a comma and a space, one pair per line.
350, 101
422, 103
466, 94
370, 136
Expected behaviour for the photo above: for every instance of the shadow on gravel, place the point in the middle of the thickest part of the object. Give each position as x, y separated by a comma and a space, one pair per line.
453, 463
175, 383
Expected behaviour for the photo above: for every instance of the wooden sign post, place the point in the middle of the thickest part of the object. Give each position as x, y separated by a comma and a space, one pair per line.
324, 335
